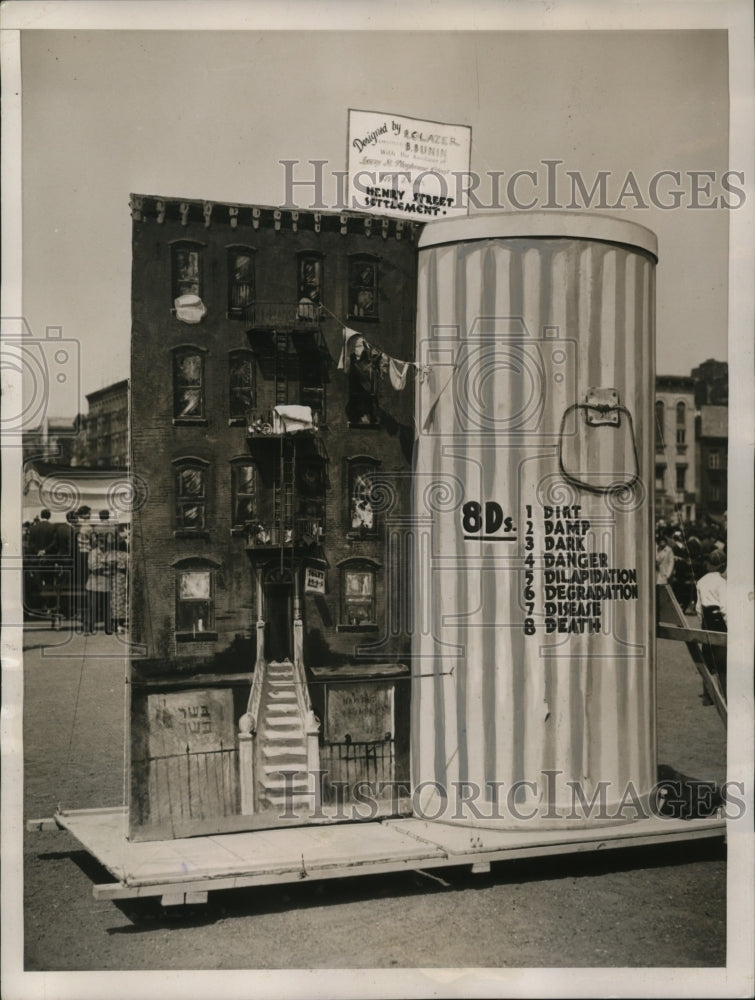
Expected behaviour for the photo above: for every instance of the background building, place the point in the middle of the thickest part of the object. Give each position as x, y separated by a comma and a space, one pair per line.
691, 443
274, 537
712, 458
54, 440
675, 466
105, 427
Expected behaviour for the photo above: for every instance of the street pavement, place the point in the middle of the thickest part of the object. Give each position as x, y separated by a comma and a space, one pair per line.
663, 906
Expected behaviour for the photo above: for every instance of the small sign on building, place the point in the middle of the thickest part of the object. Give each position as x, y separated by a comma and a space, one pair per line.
407, 168
314, 581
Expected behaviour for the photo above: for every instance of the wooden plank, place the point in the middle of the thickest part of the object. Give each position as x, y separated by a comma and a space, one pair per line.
711, 683
691, 635
676, 831
47, 825
466, 840
264, 858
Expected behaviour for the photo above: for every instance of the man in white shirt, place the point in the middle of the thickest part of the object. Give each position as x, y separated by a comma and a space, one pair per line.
711, 603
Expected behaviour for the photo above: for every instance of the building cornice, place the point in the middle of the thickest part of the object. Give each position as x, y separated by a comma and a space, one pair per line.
245, 219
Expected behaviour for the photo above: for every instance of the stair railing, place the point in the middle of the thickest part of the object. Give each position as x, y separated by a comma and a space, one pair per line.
308, 717
248, 729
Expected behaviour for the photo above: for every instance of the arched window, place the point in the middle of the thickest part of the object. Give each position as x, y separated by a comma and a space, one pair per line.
188, 384
681, 431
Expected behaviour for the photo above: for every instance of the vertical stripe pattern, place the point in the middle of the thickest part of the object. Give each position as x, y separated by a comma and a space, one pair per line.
517, 331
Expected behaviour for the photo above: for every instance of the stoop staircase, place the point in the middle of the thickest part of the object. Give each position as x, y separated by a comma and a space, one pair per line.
279, 753
282, 743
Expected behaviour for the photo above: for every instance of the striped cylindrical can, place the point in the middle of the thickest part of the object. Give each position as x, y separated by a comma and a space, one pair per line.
533, 698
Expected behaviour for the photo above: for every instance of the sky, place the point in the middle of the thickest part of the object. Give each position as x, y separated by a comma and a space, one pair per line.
209, 115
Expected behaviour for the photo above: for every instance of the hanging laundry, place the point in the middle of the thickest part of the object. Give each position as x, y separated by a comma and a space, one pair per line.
189, 308
398, 370
288, 418
344, 361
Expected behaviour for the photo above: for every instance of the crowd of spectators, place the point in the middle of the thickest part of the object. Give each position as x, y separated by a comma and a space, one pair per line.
77, 569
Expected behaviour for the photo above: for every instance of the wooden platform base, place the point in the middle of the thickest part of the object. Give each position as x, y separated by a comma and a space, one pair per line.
184, 871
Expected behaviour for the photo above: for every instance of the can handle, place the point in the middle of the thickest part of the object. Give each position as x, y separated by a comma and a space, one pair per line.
602, 408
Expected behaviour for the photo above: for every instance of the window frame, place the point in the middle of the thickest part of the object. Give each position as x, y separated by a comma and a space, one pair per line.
660, 413
241, 420
304, 287
357, 394
354, 287
347, 623
233, 250
191, 246
180, 500
195, 566
355, 463
181, 351
243, 462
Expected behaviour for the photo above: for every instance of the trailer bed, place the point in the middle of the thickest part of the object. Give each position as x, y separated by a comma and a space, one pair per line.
185, 870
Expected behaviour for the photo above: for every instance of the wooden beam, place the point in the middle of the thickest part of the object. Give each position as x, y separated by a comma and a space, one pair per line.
710, 682
691, 635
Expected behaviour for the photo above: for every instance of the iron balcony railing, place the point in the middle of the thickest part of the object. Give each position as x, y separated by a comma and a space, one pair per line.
305, 531
283, 315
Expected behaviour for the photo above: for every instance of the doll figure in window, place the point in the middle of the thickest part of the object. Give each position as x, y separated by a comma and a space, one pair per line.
365, 303
364, 370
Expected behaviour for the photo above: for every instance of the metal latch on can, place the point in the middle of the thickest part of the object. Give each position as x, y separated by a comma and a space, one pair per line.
602, 406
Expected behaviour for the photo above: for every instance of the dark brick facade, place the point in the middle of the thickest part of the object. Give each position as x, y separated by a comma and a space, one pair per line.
194, 248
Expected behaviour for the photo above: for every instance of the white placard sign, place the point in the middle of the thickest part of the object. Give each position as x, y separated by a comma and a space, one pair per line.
407, 168
314, 581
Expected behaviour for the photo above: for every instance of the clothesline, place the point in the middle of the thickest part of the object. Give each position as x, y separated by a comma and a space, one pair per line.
397, 368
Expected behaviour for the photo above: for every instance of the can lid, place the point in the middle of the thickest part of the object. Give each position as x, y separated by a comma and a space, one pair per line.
523, 225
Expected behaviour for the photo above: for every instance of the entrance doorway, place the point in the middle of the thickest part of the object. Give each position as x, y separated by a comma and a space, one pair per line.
279, 615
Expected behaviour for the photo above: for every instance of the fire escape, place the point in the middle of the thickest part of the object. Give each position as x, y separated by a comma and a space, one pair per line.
281, 743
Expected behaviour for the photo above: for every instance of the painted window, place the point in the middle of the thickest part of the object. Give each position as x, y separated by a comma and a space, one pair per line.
190, 496
244, 494
240, 280
188, 385
363, 516
358, 594
241, 386
186, 270
195, 603
363, 287
310, 285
